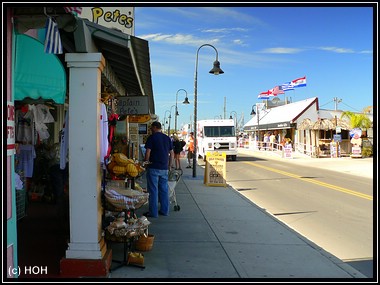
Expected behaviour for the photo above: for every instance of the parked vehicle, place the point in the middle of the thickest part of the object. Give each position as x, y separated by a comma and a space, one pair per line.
217, 135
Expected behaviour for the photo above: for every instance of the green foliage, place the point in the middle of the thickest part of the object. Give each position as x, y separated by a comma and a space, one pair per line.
367, 151
357, 120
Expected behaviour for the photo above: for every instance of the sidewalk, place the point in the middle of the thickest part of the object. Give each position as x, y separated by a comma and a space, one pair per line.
220, 234
355, 166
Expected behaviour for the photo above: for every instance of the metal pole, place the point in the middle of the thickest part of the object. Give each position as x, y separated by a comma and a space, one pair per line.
195, 105
258, 125
175, 114
195, 116
176, 108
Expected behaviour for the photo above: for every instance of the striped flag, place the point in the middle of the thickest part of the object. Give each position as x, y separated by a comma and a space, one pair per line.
73, 10
299, 82
287, 86
265, 94
277, 90
53, 42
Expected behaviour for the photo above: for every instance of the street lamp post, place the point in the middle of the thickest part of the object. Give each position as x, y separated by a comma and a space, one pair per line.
176, 108
258, 122
170, 118
235, 120
216, 71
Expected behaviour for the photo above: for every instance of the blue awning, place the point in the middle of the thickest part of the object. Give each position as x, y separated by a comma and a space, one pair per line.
37, 74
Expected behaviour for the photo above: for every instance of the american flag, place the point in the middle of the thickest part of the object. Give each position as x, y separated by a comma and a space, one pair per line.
277, 90
73, 10
53, 42
287, 86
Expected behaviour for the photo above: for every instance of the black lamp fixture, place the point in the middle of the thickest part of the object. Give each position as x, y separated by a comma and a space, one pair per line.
186, 101
253, 111
216, 70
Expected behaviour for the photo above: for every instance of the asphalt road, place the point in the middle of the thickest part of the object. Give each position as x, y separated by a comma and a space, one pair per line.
334, 210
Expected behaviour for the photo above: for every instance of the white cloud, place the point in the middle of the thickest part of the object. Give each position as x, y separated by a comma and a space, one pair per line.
225, 30
337, 50
178, 39
282, 50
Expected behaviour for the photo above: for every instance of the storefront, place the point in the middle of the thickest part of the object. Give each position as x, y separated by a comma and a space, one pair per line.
98, 65
283, 120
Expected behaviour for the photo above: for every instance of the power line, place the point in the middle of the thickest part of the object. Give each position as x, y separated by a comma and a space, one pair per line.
351, 107
326, 103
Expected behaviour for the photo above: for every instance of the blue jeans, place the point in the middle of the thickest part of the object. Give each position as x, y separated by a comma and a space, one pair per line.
157, 183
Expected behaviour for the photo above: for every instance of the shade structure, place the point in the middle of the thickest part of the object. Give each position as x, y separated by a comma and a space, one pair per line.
306, 124
323, 124
341, 123
38, 75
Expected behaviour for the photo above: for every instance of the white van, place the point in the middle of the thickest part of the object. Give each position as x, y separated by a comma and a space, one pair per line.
217, 135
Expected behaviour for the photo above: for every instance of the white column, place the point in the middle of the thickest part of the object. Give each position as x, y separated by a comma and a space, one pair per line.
86, 241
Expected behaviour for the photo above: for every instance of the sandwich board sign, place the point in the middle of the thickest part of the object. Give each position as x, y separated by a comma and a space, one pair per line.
215, 170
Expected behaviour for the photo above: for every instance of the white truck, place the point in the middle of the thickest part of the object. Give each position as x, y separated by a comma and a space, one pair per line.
217, 135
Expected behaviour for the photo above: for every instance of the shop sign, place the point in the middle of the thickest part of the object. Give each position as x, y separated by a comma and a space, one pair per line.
132, 105
337, 138
10, 128
215, 170
120, 18
139, 119
288, 151
356, 150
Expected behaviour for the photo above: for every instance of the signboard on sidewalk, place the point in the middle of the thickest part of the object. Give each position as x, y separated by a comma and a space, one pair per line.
215, 170
288, 151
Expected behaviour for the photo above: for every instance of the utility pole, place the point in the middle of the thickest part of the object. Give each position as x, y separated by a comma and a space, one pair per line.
224, 108
336, 101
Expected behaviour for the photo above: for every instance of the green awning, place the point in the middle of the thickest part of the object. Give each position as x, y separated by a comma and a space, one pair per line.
37, 74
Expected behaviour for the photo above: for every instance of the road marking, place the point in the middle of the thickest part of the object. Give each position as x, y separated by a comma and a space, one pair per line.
327, 185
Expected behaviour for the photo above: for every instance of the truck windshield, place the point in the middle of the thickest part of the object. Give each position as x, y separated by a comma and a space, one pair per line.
216, 131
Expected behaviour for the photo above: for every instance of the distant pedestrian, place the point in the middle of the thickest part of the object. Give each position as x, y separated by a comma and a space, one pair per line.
266, 141
190, 150
272, 140
177, 148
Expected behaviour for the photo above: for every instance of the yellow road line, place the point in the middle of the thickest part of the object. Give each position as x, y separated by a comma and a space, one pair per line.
327, 185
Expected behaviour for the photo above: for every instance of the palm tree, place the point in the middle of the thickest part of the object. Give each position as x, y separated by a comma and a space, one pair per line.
357, 120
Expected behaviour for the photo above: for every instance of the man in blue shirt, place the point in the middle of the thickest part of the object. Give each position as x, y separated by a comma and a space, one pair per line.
159, 155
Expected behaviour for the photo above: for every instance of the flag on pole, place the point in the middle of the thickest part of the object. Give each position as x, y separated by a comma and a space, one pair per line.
265, 94
73, 10
53, 42
277, 90
287, 86
299, 82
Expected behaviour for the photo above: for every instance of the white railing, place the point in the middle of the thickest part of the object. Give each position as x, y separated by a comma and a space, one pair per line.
305, 149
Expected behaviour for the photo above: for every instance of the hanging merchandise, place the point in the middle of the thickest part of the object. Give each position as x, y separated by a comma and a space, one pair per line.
112, 125
63, 157
104, 144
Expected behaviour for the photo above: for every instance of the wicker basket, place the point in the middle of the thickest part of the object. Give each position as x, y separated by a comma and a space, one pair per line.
144, 243
135, 258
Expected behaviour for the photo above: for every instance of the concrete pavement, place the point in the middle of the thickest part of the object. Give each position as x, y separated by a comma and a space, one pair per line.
220, 234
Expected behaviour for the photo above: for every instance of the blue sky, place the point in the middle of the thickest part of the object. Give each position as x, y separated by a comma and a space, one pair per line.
258, 48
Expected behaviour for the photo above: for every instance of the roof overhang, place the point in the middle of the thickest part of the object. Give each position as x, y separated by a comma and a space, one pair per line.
282, 117
127, 70
127, 58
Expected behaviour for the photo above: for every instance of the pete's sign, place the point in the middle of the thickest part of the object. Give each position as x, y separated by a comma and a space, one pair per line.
121, 18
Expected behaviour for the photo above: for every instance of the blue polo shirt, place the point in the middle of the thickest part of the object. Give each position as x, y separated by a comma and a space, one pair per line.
160, 146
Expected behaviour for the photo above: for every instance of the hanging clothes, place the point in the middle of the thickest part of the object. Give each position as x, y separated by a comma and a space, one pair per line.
112, 120
63, 158
25, 132
26, 159
103, 132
